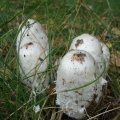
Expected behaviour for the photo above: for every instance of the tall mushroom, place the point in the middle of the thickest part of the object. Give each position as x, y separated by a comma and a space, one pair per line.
32, 50
78, 83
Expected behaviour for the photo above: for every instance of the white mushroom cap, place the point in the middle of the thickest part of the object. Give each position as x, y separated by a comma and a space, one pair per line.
32, 57
88, 43
32, 31
77, 68
32, 62
92, 45
32, 49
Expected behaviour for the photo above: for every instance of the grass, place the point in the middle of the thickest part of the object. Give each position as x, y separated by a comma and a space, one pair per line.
62, 20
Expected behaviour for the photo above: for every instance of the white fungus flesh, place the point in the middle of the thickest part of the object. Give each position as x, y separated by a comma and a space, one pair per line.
93, 46
106, 55
77, 68
32, 49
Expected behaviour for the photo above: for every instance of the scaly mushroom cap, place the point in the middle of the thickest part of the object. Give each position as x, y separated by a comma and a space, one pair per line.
32, 49
88, 43
77, 68
92, 45
32, 58
32, 31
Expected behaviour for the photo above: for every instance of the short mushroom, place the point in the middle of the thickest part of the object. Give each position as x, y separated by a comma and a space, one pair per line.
77, 83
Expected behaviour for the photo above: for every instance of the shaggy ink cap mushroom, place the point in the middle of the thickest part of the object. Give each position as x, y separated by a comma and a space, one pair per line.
77, 68
32, 49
